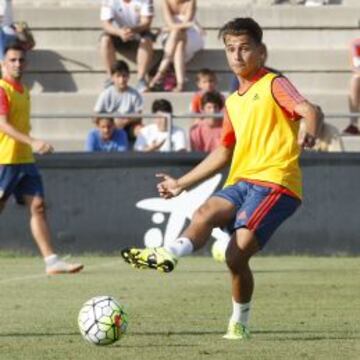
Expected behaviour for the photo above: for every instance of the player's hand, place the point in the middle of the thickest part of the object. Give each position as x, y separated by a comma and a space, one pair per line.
307, 141
168, 187
41, 147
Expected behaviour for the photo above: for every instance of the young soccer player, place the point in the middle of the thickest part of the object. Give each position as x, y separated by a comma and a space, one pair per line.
19, 175
263, 187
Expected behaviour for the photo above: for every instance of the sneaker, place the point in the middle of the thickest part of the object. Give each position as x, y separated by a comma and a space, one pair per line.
237, 331
150, 258
351, 130
62, 267
141, 86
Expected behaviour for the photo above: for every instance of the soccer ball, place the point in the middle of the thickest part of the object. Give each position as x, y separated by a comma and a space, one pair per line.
102, 320
218, 249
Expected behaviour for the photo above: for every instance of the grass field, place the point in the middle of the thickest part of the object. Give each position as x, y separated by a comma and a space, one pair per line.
303, 308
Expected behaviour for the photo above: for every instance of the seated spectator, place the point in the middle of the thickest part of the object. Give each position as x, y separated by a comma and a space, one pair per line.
354, 97
121, 98
126, 25
205, 135
183, 38
106, 137
206, 81
155, 137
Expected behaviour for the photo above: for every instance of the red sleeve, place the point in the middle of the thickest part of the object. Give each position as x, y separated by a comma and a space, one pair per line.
228, 138
287, 96
4, 102
355, 54
195, 106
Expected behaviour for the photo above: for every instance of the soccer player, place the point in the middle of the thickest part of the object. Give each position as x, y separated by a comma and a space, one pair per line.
263, 188
19, 175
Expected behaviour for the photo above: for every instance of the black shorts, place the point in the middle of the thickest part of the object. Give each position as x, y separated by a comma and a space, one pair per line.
119, 44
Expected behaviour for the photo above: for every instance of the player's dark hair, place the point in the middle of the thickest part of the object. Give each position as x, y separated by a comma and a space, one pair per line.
162, 105
242, 26
119, 67
213, 97
14, 45
205, 72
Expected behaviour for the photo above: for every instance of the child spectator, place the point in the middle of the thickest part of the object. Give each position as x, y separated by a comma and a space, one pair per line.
206, 81
205, 135
123, 99
106, 137
155, 137
126, 25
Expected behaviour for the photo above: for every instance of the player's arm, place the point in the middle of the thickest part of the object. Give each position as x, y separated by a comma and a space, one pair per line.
297, 107
313, 119
37, 145
215, 161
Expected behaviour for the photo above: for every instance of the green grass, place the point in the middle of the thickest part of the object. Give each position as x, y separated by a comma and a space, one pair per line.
303, 308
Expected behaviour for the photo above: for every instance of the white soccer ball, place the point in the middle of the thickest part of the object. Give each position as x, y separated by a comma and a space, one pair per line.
218, 249
102, 320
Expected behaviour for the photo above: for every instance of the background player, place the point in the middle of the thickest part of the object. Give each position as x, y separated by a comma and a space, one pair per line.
18, 173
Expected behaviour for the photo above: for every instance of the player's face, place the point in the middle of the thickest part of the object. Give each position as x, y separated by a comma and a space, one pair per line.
106, 128
120, 80
244, 55
13, 64
207, 83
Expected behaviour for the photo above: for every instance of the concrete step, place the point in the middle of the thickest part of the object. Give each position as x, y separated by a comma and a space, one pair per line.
88, 60
85, 82
208, 15
274, 38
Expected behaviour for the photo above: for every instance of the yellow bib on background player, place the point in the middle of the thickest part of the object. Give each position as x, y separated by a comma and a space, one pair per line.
266, 139
12, 151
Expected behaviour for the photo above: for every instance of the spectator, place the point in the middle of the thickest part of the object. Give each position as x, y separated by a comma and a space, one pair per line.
7, 31
206, 81
121, 98
126, 25
205, 135
155, 137
106, 137
183, 38
354, 98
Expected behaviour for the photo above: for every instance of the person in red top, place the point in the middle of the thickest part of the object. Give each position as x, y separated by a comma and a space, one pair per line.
19, 176
263, 188
205, 135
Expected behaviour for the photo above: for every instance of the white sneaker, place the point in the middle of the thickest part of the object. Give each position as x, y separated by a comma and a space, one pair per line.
62, 267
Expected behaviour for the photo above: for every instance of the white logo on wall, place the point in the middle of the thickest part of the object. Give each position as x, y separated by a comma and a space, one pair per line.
180, 209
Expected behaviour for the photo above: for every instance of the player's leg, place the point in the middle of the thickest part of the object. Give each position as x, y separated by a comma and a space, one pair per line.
29, 191
242, 247
354, 103
262, 212
215, 212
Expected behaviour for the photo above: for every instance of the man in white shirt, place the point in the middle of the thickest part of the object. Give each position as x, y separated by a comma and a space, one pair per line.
126, 25
155, 137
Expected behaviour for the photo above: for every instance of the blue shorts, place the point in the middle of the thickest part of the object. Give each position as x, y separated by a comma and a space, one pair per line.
20, 180
259, 208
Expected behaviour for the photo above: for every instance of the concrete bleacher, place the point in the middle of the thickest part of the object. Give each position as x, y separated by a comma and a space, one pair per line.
309, 44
